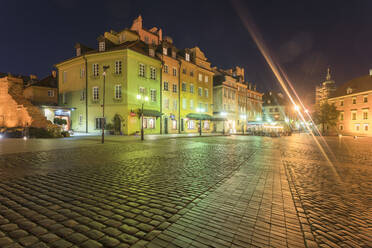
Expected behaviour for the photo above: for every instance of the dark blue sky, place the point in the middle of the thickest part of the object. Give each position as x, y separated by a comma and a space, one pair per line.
306, 38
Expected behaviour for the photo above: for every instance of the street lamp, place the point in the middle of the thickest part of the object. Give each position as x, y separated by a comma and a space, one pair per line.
200, 110
105, 67
243, 117
144, 99
223, 129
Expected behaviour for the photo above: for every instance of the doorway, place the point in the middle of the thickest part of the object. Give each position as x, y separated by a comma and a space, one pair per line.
165, 125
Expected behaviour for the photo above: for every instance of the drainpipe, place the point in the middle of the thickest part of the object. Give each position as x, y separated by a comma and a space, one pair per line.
179, 97
86, 94
161, 97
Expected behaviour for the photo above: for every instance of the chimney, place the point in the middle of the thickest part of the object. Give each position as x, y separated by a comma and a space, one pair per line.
54, 74
33, 77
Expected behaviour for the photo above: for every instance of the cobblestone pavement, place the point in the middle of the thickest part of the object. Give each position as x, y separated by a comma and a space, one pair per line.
236, 191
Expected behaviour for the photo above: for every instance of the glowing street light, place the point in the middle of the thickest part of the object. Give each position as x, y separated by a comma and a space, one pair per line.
144, 99
297, 108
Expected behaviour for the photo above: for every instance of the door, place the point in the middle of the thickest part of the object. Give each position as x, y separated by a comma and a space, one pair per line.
165, 125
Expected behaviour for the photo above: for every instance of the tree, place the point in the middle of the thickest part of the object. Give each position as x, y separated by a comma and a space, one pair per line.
326, 115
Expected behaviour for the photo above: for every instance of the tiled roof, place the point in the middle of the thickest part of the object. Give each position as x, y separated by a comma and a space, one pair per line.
274, 99
357, 85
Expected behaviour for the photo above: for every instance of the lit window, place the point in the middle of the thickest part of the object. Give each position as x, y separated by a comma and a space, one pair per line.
206, 125
200, 77
151, 52
118, 91
149, 122
206, 92
175, 104
357, 127
166, 103
166, 86
174, 124
141, 91
118, 67
187, 57
191, 104
153, 95
184, 104
95, 94
190, 124
101, 46
50, 93
174, 72
165, 51
365, 127
166, 68
82, 72
100, 122
206, 78
354, 100
153, 73
95, 70
175, 88
365, 115
353, 116
141, 70
184, 86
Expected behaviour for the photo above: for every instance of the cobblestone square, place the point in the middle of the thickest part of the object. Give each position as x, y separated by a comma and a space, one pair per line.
234, 191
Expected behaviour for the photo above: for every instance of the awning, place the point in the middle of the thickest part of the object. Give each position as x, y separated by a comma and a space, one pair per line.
149, 112
195, 116
219, 118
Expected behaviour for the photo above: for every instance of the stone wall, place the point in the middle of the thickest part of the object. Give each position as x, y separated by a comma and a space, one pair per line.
15, 109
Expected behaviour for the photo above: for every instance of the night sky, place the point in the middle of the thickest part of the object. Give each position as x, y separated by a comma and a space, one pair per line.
305, 38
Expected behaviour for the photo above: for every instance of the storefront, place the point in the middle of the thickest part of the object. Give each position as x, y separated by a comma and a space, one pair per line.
57, 113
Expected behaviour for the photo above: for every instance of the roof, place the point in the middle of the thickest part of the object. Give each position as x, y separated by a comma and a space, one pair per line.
356, 85
274, 99
48, 81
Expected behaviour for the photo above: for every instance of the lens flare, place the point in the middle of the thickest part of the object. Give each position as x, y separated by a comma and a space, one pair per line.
284, 82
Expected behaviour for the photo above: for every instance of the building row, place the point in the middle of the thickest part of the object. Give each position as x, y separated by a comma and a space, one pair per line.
138, 71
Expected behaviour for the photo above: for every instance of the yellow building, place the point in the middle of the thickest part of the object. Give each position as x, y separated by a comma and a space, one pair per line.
196, 78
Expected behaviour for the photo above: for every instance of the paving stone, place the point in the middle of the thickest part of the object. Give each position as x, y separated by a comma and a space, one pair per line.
109, 241
28, 240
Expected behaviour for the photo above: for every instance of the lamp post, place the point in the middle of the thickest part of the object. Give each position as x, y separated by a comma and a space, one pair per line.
200, 110
223, 122
143, 100
105, 67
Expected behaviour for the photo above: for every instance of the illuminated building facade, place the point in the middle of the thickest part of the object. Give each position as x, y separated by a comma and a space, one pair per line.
325, 90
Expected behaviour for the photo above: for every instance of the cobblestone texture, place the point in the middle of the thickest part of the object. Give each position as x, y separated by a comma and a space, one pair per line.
234, 191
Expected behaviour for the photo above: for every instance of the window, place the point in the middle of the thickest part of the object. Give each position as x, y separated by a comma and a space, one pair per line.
166, 68
95, 70
206, 107
64, 98
184, 70
118, 67
365, 127
206, 79
276, 109
50, 93
191, 73
166, 86
141, 91
349, 90
100, 122
200, 91
206, 125
153, 73
64, 76
153, 95
354, 100
365, 115
225, 92
95, 94
341, 116
184, 86
191, 88
118, 91
165, 51
357, 127
341, 127
82, 72
166, 103
191, 104
365, 98
353, 116
187, 57
101, 46
342, 103
175, 104
184, 104
200, 77
141, 70
191, 124
173, 54
175, 88
80, 119
206, 92
233, 95
174, 124
149, 122
174, 71
151, 52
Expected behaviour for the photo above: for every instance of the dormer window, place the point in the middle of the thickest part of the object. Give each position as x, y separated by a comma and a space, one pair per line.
165, 51
173, 54
187, 57
78, 51
101, 46
349, 90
